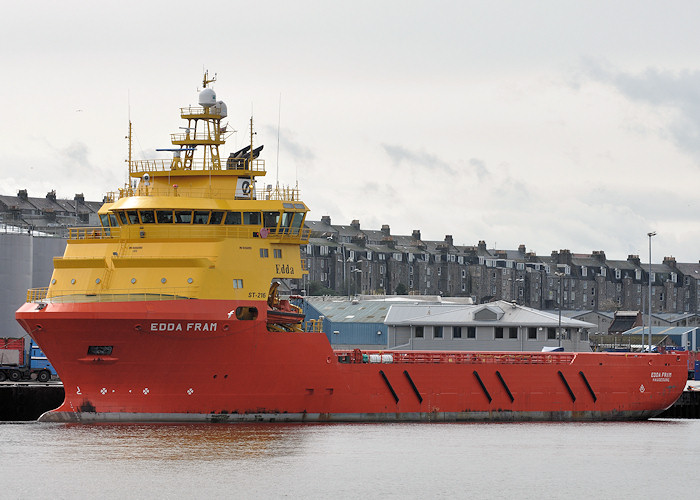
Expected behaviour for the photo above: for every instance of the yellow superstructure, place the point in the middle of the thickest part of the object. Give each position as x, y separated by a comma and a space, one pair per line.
193, 226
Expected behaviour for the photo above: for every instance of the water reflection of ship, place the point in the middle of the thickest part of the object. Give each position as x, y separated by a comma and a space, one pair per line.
196, 442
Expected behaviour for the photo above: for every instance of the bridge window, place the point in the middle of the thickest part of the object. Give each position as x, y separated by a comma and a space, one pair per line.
251, 218
147, 217
122, 217
277, 253
216, 217
233, 218
164, 216
270, 219
201, 217
183, 216
298, 218
113, 220
133, 216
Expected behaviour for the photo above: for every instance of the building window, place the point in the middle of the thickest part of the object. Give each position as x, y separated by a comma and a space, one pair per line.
513, 332
471, 332
551, 333
437, 332
498, 332
419, 332
456, 332
531, 333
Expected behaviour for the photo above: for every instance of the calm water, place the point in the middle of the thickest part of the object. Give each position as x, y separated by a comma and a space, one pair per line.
655, 459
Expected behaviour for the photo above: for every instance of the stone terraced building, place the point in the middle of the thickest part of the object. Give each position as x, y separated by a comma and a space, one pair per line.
350, 260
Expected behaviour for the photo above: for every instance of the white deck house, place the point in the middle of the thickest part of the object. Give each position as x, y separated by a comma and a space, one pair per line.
496, 326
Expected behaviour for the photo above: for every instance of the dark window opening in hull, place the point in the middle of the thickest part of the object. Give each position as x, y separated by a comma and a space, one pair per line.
246, 313
100, 350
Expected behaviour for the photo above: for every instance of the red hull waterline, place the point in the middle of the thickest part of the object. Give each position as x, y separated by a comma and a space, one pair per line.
193, 361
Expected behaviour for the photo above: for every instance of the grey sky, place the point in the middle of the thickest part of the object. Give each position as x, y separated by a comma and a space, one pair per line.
553, 124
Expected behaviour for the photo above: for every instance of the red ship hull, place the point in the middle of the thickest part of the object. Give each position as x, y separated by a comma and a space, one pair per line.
193, 360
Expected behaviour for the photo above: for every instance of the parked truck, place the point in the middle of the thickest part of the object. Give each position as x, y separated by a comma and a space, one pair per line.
16, 364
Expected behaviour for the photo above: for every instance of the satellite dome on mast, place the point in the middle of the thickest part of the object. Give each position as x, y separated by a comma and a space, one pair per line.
207, 98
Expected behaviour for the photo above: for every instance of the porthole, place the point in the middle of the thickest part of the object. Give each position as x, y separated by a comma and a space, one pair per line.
53, 281
133, 280
97, 281
163, 280
72, 282
189, 280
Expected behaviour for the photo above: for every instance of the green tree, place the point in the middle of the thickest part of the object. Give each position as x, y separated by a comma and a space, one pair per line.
401, 289
316, 288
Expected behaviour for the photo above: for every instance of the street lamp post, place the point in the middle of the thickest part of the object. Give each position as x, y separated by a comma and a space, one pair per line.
355, 272
559, 275
650, 235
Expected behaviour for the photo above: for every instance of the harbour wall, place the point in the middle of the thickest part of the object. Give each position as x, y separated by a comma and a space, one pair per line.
29, 400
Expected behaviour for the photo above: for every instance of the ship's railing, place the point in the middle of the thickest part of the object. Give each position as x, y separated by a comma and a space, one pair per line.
441, 357
37, 294
199, 137
267, 193
214, 111
242, 165
93, 233
314, 325
188, 231
113, 295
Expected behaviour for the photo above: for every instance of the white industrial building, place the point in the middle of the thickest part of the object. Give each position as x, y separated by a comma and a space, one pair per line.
495, 326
